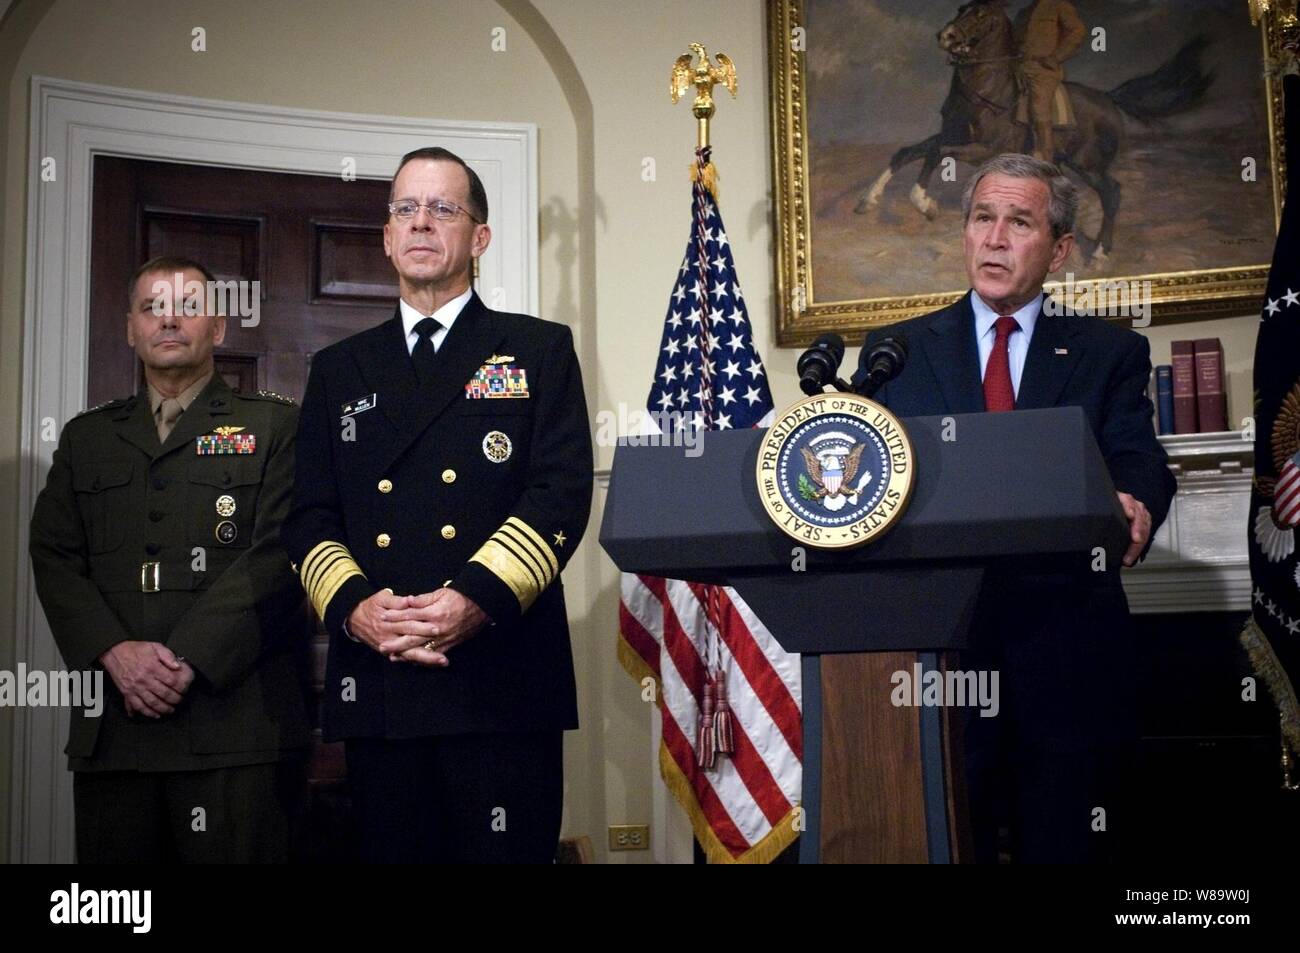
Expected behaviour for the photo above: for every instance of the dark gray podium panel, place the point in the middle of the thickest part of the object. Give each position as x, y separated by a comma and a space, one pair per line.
1029, 486
1029, 483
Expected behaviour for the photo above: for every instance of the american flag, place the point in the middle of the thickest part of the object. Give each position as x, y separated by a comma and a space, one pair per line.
728, 694
1272, 635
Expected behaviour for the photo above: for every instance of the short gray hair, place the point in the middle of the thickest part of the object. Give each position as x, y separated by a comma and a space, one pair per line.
1063, 203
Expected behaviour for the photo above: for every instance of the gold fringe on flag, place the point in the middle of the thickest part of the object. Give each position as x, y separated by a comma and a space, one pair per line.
1265, 663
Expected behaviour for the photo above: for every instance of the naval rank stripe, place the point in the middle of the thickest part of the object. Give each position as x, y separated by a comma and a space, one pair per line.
512, 539
519, 557
537, 541
327, 567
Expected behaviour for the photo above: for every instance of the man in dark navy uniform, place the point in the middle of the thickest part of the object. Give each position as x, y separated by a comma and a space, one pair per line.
444, 480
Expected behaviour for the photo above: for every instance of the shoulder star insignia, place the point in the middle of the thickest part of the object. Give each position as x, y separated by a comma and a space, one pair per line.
559, 538
277, 397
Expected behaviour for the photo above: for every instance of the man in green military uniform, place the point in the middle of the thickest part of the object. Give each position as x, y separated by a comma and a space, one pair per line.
1049, 32
156, 548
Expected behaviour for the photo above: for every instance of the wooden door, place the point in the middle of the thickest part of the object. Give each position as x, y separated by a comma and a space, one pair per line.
315, 244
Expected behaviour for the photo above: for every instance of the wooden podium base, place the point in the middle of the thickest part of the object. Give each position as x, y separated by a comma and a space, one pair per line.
886, 783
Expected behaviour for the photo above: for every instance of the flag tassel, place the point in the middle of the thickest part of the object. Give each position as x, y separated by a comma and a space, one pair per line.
704, 742
723, 740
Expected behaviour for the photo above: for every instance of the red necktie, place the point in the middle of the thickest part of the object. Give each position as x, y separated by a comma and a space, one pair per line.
999, 395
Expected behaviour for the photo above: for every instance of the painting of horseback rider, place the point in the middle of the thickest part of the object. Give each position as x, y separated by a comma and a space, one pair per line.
1048, 32
1149, 107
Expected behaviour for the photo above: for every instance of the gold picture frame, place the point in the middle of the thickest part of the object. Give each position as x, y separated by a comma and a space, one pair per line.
802, 315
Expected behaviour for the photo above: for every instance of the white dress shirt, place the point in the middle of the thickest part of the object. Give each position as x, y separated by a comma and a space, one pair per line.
445, 316
1017, 344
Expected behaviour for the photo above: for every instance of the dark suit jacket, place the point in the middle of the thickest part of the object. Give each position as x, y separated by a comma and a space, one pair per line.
430, 486
1059, 638
1073, 361
116, 498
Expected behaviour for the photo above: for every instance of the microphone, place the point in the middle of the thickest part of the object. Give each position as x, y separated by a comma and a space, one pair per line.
882, 363
818, 365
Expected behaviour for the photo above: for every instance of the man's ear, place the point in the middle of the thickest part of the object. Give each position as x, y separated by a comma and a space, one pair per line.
219, 330
482, 237
1064, 245
130, 332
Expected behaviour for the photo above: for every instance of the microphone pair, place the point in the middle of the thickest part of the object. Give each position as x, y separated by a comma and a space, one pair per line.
819, 365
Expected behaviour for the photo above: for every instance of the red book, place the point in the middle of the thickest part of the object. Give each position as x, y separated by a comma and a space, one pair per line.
1211, 400
1184, 362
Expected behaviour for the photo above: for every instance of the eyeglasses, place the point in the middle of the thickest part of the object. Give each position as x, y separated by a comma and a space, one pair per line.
439, 209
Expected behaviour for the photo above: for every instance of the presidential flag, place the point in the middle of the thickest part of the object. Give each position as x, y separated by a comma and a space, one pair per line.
728, 694
1272, 636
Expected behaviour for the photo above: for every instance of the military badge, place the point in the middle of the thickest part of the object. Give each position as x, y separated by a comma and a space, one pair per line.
835, 470
226, 532
497, 447
225, 505
225, 440
497, 378
359, 405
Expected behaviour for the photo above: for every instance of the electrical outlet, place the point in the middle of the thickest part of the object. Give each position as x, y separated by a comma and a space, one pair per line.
629, 837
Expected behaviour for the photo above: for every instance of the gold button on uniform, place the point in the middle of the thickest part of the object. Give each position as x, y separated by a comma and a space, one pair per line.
385, 486
449, 532
382, 540
448, 476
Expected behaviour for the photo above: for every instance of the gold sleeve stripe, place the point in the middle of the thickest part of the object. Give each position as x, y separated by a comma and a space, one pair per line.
327, 567
324, 567
537, 540
317, 559
509, 537
520, 558
507, 567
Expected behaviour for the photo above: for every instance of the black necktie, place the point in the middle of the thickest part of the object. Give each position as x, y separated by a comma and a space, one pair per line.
422, 353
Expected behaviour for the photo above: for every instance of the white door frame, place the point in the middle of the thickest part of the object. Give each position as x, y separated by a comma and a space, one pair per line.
73, 122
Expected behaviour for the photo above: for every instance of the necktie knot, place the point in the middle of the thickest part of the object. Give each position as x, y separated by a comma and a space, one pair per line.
169, 411
1005, 325
425, 328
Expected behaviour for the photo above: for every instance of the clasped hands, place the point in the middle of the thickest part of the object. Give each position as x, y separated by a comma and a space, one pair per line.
150, 676
420, 628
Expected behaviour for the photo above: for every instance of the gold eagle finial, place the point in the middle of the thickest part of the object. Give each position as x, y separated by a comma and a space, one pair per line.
703, 76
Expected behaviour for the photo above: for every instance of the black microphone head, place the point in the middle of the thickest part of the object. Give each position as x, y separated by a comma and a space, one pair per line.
893, 348
832, 342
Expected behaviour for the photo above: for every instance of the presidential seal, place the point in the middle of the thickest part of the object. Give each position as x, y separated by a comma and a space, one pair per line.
835, 471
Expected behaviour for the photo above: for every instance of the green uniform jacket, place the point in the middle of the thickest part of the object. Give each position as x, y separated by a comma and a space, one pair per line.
116, 503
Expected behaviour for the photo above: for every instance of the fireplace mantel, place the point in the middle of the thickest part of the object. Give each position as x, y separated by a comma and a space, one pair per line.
1199, 561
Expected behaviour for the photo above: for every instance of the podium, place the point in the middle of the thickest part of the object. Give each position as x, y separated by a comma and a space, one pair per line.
993, 491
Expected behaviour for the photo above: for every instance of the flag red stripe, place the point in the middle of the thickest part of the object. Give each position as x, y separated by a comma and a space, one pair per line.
753, 770
680, 649
640, 641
